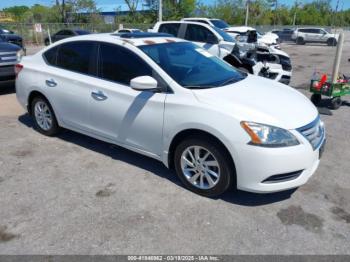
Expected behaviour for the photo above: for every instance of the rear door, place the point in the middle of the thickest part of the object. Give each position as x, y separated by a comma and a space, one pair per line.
203, 37
311, 35
170, 28
68, 80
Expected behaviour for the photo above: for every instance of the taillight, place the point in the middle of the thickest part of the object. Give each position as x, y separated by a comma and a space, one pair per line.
18, 68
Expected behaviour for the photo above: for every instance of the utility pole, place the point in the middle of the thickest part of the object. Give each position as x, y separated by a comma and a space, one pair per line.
295, 17
247, 13
296, 6
275, 19
160, 11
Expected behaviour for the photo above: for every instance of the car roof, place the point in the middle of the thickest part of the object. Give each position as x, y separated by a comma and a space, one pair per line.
135, 39
186, 22
309, 28
240, 28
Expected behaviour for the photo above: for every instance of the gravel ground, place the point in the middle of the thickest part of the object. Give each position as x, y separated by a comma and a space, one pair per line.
75, 195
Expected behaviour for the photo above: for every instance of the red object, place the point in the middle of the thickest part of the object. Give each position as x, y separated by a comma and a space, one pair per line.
18, 68
322, 81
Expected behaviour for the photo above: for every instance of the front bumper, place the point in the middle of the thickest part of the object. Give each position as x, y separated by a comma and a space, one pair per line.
256, 165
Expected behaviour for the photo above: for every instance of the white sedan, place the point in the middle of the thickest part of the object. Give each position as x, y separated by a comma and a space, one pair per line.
170, 100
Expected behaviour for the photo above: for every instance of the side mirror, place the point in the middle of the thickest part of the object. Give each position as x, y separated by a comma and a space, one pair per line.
143, 83
212, 39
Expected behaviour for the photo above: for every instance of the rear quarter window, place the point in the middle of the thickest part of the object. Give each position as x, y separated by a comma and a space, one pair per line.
50, 56
172, 29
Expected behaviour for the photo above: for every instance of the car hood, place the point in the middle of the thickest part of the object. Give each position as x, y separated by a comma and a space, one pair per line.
227, 45
276, 51
336, 36
7, 47
260, 100
11, 37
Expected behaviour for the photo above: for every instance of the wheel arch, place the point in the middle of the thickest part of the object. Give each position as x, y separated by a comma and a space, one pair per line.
36, 93
193, 132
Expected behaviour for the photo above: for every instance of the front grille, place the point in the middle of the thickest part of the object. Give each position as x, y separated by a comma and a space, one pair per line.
313, 132
8, 57
283, 177
285, 79
272, 75
16, 42
286, 63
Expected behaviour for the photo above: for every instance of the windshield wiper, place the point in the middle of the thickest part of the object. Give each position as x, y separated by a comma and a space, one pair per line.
231, 81
199, 87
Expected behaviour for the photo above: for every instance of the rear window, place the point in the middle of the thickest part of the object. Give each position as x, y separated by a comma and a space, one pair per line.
172, 28
76, 56
82, 32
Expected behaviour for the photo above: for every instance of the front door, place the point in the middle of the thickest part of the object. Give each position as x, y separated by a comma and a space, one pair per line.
120, 113
201, 35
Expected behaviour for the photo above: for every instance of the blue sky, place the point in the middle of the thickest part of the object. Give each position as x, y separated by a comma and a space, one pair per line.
110, 5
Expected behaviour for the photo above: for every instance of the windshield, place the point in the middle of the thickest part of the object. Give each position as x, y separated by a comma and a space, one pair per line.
224, 35
191, 66
219, 23
5, 31
82, 32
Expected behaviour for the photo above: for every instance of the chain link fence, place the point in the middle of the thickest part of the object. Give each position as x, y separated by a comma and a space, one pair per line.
32, 37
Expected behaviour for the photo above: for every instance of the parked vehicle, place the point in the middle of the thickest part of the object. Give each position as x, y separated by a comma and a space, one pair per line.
301, 36
218, 23
11, 37
128, 30
285, 34
10, 54
269, 39
173, 101
65, 33
274, 64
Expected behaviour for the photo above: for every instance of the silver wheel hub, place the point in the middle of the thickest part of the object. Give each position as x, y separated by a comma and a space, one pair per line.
200, 167
43, 115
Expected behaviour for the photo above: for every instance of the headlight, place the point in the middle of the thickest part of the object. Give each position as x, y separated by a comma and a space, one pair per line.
269, 136
20, 54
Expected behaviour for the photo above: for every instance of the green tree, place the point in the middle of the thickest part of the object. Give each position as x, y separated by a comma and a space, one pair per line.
16, 12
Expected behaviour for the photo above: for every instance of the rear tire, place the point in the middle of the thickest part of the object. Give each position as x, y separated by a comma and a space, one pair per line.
203, 166
300, 41
336, 102
316, 99
44, 117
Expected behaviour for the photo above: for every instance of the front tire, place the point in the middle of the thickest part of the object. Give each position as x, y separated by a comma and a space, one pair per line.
44, 117
332, 42
203, 166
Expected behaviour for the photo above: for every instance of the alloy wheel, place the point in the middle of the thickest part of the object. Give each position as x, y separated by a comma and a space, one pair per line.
200, 167
43, 115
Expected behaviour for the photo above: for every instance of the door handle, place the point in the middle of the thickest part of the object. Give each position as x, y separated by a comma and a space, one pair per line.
51, 83
99, 96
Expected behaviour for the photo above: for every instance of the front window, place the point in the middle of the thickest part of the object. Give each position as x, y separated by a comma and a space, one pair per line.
192, 67
219, 23
82, 32
224, 35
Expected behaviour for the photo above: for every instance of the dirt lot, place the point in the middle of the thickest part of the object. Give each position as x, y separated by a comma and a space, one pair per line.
75, 195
